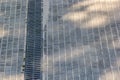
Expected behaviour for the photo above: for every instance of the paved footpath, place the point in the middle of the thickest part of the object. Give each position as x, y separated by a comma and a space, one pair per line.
83, 39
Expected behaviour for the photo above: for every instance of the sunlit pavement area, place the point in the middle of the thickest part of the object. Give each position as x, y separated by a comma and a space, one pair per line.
82, 40
12, 38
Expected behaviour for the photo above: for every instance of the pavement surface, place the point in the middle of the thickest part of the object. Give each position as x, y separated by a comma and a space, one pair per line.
82, 41
12, 38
